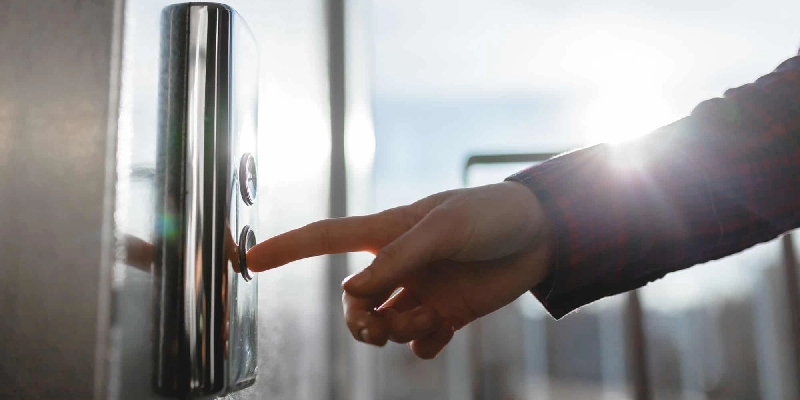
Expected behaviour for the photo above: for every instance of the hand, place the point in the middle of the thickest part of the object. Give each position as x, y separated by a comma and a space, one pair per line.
455, 256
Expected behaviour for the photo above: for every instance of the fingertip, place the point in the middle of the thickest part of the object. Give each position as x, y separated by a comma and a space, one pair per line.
257, 261
364, 335
429, 347
425, 352
374, 334
365, 326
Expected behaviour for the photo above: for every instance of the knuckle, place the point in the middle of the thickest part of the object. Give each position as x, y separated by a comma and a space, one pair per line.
386, 254
422, 207
439, 198
414, 212
401, 218
452, 211
404, 331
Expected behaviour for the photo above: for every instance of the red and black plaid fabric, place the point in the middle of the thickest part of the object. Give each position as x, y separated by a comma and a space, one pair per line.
714, 183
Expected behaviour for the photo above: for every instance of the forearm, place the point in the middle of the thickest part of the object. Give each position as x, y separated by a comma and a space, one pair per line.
721, 180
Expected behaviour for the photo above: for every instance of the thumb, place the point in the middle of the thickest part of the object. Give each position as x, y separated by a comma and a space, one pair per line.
434, 237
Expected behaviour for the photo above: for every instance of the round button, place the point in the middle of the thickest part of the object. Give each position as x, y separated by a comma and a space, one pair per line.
248, 178
247, 239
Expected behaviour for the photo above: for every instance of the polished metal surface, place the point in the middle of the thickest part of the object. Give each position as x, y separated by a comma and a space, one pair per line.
204, 348
59, 80
200, 329
275, 318
242, 292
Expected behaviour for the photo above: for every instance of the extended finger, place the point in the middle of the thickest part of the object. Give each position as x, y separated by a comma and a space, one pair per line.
330, 236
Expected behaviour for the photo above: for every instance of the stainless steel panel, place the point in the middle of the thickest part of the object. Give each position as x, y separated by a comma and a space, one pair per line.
293, 150
59, 73
205, 309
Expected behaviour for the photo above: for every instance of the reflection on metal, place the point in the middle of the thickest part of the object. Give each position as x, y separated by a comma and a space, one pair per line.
205, 313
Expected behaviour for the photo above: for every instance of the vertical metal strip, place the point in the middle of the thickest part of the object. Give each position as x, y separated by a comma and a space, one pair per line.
193, 211
338, 340
196, 169
105, 346
637, 348
792, 300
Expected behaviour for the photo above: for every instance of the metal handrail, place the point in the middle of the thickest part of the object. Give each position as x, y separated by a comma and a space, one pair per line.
507, 158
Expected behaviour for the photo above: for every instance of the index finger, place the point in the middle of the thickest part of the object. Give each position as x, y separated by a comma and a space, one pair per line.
330, 236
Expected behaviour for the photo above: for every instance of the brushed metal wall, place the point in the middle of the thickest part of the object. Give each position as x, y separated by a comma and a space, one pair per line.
58, 86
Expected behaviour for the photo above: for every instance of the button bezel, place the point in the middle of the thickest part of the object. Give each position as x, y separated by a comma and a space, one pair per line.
247, 239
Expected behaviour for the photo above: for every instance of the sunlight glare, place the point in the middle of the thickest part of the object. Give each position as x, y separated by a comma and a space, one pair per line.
359, 140
627, 71
624, 115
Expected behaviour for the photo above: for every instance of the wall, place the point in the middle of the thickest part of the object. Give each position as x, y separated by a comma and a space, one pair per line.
58, 80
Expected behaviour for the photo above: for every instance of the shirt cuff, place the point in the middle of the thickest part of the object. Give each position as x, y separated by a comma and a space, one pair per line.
602, 222
714, 183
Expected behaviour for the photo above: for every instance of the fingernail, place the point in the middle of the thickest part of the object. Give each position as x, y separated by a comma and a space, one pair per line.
422, 320
358, 279
364, 335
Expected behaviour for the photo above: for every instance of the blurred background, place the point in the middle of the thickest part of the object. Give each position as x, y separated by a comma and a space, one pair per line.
453, 80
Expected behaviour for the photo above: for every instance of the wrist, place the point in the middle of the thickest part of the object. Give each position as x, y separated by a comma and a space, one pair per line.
540, 234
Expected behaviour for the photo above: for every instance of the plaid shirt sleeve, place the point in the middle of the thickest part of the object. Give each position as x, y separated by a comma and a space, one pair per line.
714, 183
